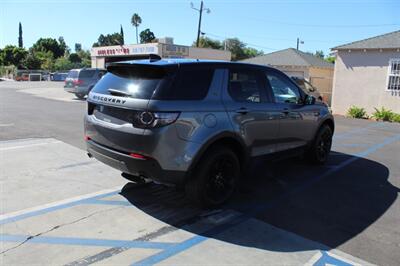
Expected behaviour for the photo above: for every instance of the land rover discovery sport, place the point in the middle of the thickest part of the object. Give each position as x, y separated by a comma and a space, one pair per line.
196, 124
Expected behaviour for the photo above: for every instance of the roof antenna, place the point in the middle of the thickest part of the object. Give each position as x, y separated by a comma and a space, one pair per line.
154, 57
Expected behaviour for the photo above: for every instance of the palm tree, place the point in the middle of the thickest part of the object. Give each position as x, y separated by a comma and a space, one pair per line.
136, 20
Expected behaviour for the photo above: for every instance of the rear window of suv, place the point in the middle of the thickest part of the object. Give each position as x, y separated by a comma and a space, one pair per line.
86, 73
131, 81
73, 74
145, 82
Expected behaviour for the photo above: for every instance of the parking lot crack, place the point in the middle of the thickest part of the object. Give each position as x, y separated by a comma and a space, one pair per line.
59, 226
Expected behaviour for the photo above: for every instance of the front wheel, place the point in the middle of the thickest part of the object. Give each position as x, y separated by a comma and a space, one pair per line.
215, 178
321, 147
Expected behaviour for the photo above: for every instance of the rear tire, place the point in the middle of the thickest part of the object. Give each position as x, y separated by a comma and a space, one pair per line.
80, 96
215, 178
321, 147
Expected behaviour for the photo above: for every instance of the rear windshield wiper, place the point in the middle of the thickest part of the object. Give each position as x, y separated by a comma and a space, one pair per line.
118, 92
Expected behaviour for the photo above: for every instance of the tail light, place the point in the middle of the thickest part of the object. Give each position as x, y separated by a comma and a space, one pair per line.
138, 156
154, 119
77, 82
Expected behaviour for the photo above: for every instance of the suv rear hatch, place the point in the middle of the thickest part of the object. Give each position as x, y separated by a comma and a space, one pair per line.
118, 104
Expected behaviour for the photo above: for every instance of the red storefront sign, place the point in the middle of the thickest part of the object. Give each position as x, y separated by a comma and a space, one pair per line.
113, 51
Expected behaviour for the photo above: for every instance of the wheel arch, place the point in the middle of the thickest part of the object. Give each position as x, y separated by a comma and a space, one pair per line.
227, 139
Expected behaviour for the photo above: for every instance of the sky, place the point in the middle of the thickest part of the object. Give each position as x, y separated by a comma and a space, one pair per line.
264, 25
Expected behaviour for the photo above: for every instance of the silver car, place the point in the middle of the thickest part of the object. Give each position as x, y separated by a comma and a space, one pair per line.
196, 124
81, 81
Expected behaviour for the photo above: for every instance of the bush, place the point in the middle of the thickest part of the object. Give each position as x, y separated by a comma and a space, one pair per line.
357, 112
383, 114
395, 118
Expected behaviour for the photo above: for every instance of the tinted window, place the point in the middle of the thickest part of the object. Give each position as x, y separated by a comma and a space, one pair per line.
73, 74
191, 83
283, 89
245, 86
135, 82
86, 73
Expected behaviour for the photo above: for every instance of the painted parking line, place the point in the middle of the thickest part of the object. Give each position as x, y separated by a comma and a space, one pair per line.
26, 143
46, 208
84, 241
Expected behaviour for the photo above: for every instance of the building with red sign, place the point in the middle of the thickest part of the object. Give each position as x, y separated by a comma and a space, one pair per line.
165, 48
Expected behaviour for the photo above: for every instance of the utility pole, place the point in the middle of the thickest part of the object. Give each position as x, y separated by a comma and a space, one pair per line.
202, 8
298, 43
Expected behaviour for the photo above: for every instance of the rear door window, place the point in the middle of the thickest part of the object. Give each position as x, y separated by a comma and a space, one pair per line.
191, 83
246, 86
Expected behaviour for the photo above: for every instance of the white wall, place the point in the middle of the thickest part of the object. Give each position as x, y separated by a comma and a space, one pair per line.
360, 79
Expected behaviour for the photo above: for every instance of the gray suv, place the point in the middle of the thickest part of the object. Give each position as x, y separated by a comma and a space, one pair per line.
196, 124
81, 81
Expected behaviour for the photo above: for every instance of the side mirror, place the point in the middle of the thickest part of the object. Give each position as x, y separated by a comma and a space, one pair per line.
309, 100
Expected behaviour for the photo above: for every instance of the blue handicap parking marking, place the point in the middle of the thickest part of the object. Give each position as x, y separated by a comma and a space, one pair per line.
326, 259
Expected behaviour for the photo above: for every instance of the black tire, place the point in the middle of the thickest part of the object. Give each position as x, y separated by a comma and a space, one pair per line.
215, 178
321, 146
80, 96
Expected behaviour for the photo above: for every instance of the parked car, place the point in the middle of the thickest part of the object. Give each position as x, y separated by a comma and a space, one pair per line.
196, 124
81, 81
308, 88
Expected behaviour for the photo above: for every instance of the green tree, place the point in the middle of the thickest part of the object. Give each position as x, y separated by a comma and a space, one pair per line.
320, 54
205, 42
122, 35
109, 39
136, 20
251, 52
20, 42
78, 47
46, 59
32, 62
86, 59
147, 36
13, 55
49, 45
236, 47
74, 58
63, 63
330, 59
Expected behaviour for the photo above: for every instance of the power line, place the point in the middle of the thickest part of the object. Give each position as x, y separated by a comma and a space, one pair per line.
326, 25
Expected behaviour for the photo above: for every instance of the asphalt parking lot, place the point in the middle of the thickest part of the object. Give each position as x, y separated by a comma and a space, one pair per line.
61, 208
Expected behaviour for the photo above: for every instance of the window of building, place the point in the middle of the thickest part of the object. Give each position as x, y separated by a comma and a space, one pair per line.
394, 75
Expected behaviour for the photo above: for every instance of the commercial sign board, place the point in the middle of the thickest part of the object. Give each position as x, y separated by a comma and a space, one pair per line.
173, 50
125, 50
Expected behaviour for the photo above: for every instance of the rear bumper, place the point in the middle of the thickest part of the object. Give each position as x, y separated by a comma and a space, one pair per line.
77, 90
148, 168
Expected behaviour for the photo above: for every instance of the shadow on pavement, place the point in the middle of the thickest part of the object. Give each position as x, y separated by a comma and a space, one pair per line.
291, 195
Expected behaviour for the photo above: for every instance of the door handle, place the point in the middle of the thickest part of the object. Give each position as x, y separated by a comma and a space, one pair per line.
242, 111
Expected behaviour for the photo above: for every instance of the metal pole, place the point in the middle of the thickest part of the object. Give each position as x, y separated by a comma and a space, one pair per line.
198, 30
298, 44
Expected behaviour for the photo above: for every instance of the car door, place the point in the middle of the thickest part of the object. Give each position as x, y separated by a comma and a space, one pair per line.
296, 120
251, 111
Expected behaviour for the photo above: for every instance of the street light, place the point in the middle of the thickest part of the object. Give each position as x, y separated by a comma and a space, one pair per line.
200, 10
